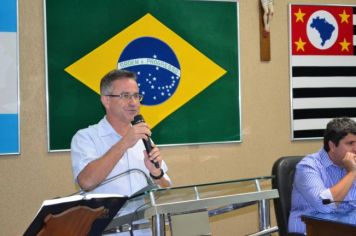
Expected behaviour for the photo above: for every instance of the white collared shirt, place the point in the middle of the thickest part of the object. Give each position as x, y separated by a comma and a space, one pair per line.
93, 142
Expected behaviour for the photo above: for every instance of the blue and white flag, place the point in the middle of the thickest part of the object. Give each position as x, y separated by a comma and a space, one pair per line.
9, 105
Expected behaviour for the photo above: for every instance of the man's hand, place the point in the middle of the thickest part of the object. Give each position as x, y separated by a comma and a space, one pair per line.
153, 156
349, 162
135, 133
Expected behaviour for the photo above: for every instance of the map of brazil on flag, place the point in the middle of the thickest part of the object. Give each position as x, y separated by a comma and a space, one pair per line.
323, 67
186, 66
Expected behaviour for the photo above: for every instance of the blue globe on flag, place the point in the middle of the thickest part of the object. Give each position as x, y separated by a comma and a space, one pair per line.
156, 66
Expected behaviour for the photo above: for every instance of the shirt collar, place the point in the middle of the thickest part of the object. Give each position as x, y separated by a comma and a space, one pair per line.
325, 159
105, 128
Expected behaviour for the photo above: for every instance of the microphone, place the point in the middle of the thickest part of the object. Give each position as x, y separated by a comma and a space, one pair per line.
329, 201
148, 145
150, 183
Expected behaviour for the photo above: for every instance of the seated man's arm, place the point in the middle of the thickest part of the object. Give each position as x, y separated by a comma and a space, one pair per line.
341, 189
309, 183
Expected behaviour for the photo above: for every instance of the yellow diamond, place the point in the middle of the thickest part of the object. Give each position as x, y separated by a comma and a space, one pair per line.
197, 70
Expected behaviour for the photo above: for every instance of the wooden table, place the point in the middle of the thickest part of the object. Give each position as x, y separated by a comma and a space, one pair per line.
331, 224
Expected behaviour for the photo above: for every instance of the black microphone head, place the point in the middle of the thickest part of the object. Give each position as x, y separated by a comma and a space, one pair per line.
326, 201
137, 119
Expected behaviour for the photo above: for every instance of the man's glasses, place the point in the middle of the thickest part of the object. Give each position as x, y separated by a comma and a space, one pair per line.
127, 96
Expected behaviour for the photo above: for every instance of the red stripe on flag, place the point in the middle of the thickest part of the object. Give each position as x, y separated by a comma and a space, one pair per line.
321, 30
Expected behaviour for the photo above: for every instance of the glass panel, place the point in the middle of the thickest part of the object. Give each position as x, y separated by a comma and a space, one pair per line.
200, 191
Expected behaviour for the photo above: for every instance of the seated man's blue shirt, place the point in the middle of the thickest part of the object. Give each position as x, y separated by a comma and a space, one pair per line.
315, 175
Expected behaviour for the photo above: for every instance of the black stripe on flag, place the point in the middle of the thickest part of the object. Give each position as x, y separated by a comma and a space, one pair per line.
312, 133
323, 113
354, 10
323, 92
323, 71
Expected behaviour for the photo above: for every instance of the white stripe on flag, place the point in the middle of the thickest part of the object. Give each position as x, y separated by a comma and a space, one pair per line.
309, 124
324, 82
8, 73
323, 60
309, 103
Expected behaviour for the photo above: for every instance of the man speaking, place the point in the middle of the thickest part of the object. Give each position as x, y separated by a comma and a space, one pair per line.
115, 146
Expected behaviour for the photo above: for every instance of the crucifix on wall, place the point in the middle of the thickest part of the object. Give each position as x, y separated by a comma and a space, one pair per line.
266, 14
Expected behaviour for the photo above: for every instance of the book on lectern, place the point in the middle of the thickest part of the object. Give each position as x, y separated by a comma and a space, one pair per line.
78, 215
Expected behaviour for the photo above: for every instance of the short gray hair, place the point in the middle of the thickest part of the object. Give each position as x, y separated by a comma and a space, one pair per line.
109, 78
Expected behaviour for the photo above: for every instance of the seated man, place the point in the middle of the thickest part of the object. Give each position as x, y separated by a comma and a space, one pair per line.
114, 146
329, 173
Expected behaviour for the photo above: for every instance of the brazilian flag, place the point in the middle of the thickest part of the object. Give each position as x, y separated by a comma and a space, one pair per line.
185, 54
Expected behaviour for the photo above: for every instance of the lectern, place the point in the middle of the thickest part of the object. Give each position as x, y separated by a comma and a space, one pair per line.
186, 208
77, 215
